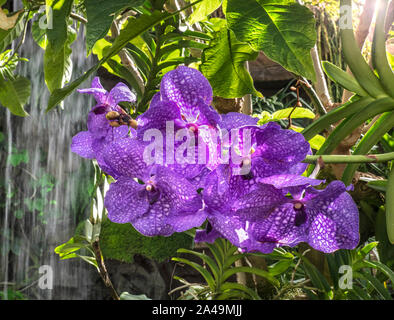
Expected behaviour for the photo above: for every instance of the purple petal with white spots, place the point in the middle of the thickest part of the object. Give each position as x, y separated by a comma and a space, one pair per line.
96, 90
333, 217
81, 144
233, 120
120, 92
280, 228
125, 201
285, 147
186, 86
157, 116
125, 156
289, 180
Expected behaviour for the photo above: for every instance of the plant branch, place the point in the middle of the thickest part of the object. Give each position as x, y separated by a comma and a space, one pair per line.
361, 34
126, 60
78, 18
103, 270
321, 83
369, 158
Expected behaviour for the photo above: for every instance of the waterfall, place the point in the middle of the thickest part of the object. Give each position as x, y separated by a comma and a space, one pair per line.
44, 185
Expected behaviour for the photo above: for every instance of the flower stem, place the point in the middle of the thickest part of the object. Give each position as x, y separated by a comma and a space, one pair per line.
369, 158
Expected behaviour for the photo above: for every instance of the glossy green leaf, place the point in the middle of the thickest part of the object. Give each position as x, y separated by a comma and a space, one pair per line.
14, 94
134, 28
390, 206
58, 63
208, 260
129, 296
384, 124
58, 34
7, 36
100, 14
240, 287
283, 29
204, 272
264, 274
203, 9
343, 78
223, 64
295, 113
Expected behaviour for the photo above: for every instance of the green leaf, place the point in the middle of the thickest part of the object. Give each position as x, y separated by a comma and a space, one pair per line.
240, 287
384, 124
223, 64
57, 57
283, 29
69, 247
228, 273
7, 36
129, 296
343, 78
14, 94
279, 267
121, 71
368, 248
208, 260
134, 28
57, 35
375, 283
317, 278
378, 185
58, 64
204, 272
16, 158
100, 14
295, 113
39, 34
203, 9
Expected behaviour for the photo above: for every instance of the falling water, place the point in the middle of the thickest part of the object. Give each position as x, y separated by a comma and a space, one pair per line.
43, 189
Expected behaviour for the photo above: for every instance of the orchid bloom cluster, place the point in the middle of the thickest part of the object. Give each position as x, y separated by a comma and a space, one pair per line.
248, 186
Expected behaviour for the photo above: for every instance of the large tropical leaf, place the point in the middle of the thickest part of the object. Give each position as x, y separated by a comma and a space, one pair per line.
223, 64
283, 29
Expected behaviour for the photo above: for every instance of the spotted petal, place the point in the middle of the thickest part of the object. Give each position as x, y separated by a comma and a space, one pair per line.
236, 120
120, 92
81, 144
97, 90
125, 156
186, 86
334, 218
125, 201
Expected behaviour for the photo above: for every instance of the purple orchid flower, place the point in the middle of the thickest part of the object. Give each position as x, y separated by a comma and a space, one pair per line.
91, 143
154, 199
184, 99
255, 152
264, 218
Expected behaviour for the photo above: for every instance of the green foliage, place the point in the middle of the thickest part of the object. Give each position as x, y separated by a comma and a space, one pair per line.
223, 64
122, 242
203, 9
221, 268
7, 36
274, 27
12, 295
100, 14
128, 296
14, 94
